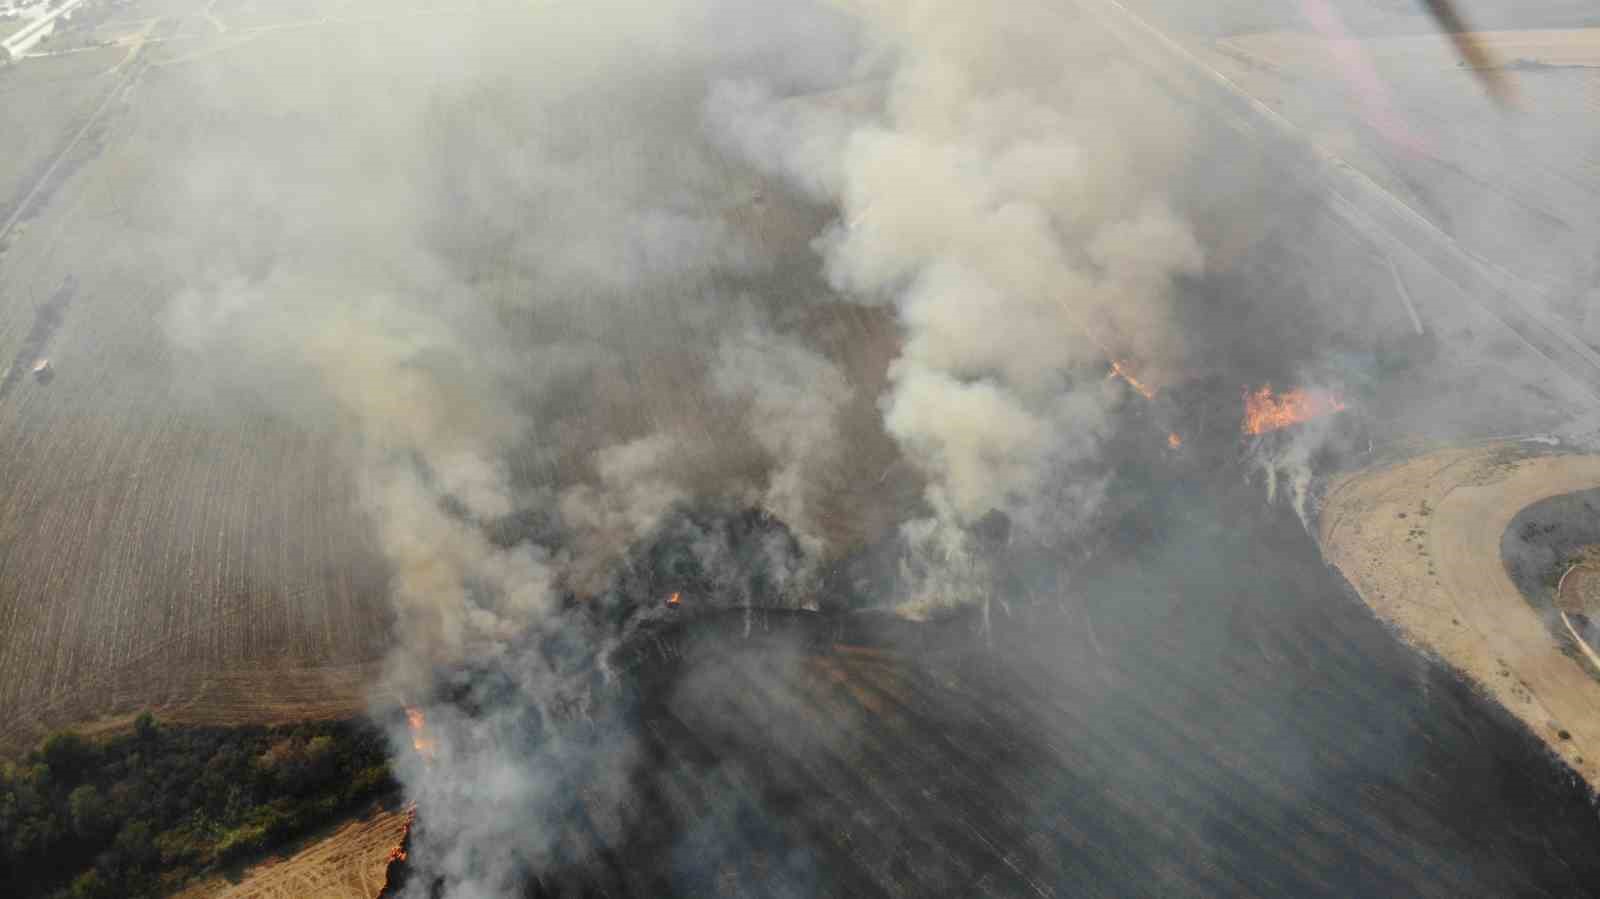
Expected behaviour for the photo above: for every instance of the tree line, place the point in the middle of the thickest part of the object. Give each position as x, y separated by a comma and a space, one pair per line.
139, 814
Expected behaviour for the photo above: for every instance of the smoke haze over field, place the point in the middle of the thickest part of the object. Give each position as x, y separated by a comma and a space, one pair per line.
511, 259
541, 262
551, 273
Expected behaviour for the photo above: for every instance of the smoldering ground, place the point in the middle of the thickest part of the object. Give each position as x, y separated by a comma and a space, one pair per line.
563, 280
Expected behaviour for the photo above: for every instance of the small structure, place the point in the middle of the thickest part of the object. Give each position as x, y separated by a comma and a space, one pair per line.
42, 372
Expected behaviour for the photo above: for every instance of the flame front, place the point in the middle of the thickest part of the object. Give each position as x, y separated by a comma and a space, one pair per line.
1267, 411
398, 853
420, 741
1174, 441
1121, 369
674, 600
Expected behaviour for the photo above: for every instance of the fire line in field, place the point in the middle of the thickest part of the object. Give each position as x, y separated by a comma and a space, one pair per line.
420, 741
1122, 369
1266, 411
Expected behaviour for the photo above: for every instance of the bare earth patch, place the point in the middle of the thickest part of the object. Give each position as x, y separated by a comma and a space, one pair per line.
352, 861
1420, 541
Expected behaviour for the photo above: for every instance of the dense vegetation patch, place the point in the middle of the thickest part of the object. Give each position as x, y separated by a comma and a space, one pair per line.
138, 814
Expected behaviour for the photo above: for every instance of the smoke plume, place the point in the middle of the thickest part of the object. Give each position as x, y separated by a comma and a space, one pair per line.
547, 270
1004, 200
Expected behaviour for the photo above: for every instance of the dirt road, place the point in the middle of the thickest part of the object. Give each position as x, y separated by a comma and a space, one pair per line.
1420, 540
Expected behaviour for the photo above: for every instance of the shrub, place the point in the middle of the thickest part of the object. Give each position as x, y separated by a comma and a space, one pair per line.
89, 814
241, 841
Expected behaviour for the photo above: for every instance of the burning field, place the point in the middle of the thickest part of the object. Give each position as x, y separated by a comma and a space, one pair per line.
1266, 411
867, 449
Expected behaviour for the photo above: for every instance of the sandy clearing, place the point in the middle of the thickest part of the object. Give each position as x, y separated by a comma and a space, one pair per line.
352, 862
1446, 588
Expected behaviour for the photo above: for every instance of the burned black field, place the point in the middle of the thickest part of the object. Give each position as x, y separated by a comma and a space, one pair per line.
1211, 713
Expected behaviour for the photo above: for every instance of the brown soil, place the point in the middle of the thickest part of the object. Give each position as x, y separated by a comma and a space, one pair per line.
1420, 541
351, 861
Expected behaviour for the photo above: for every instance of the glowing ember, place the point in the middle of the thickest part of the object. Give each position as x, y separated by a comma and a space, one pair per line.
420, 741
1267, 411
674, 601
1121, 369
1174, 441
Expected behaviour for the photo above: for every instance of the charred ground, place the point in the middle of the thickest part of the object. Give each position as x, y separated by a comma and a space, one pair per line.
1209, 711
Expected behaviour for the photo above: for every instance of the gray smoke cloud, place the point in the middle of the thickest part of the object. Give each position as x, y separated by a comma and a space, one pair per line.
538, 267
1006, 196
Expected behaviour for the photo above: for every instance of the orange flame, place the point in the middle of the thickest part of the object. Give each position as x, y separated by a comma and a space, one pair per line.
420, 741
1267, 411
674, 601
1121, 369
398, 853
1174, 441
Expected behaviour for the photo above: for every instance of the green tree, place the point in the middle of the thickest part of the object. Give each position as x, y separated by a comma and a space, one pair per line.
90, 818
68, 755
145, 727
136, 843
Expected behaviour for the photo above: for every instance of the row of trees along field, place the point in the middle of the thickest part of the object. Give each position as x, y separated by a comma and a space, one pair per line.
138, 814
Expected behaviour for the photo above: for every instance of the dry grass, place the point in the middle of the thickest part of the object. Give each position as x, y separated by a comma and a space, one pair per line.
350, 862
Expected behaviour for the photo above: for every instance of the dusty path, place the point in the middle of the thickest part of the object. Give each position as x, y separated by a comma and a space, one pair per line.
1420, 540
352, 862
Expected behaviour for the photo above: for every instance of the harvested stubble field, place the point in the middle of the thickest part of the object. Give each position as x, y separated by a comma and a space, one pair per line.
171, 543
350, 861
161, 545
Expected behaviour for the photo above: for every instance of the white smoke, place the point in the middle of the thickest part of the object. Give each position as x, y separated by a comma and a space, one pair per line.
529, 296
793, 397
1007, 197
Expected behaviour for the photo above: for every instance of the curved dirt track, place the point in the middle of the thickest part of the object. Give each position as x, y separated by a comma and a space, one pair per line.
349, 863
1420, 541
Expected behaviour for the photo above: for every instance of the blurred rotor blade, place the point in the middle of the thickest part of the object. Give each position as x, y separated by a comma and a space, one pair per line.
1473, 54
